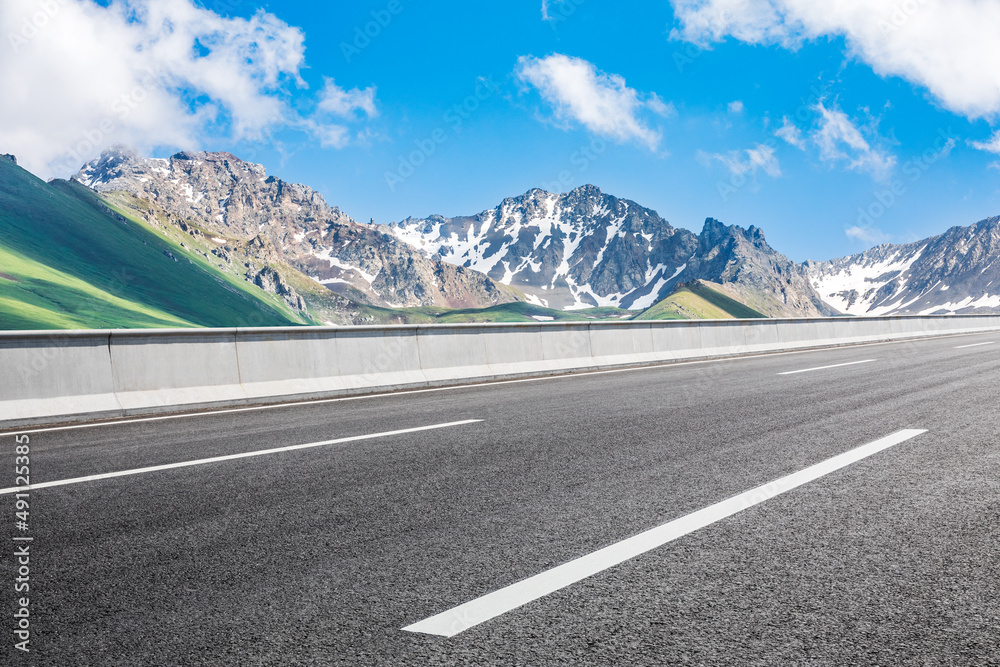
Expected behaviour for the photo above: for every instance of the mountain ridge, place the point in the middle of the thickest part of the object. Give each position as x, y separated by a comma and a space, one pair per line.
586, 248
953, 272
222, 193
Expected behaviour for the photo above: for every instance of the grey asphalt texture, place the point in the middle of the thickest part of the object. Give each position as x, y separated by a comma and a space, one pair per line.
321, 556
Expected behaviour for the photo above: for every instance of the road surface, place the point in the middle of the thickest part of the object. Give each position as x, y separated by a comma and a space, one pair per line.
406, 506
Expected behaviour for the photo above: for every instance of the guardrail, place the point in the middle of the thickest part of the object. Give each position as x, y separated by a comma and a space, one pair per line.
65, 376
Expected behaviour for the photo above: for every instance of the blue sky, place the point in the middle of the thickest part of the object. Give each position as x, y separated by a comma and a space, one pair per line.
831, 129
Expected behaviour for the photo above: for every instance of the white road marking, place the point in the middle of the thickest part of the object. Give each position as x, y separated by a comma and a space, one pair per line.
470, 614
823, 368
962, 347
231, 457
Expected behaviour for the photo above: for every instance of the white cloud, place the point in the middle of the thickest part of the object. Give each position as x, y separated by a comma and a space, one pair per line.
991, 145
748, 161
661, 108
601, 102
736, 107
839, 140
345, 103
869, 235
947, 46
330, 135
78, 77
791, 134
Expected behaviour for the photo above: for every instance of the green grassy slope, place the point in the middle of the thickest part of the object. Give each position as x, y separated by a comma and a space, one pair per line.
71, 263
697, 301
35, 296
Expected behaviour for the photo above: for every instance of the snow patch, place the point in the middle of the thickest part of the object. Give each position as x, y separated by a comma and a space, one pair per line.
864, 279
985, 301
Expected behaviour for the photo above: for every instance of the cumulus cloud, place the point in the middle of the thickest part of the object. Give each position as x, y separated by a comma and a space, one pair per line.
78, 77
946, 46
840, 140
748, 161
579, 92
736, 107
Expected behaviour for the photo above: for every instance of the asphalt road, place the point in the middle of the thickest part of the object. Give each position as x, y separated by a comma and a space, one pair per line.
321, 556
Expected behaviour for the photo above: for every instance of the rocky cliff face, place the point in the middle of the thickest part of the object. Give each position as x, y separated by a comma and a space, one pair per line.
587, 248
956, 272
220, 193
755, 273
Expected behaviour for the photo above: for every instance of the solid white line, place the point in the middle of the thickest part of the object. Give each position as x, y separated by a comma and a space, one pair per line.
823, 368
962, 347
231, 457
470, 614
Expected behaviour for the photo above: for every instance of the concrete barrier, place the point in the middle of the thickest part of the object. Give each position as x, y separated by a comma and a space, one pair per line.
762, 338
675, 341
378, 357
517, 352
452, 353
56, 377
66, 375
613, 345
161, 370
566, 347
288, 363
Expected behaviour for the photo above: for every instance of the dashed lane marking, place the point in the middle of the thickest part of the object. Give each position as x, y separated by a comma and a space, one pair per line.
480, 610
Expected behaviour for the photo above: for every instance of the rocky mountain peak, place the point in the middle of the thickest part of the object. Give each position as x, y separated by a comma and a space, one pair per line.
585, 192
712, 233
587, 248
8, 156
235, 199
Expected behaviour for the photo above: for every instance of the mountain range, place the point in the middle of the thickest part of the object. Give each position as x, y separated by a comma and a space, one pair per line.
584, 249
587, 249
579, 255
225, 198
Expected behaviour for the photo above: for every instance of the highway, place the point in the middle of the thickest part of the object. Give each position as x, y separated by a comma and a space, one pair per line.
408, 505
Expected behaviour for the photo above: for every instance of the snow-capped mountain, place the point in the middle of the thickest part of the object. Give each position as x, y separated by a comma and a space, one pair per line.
956, 272
238, 201
578, 250
586, 248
